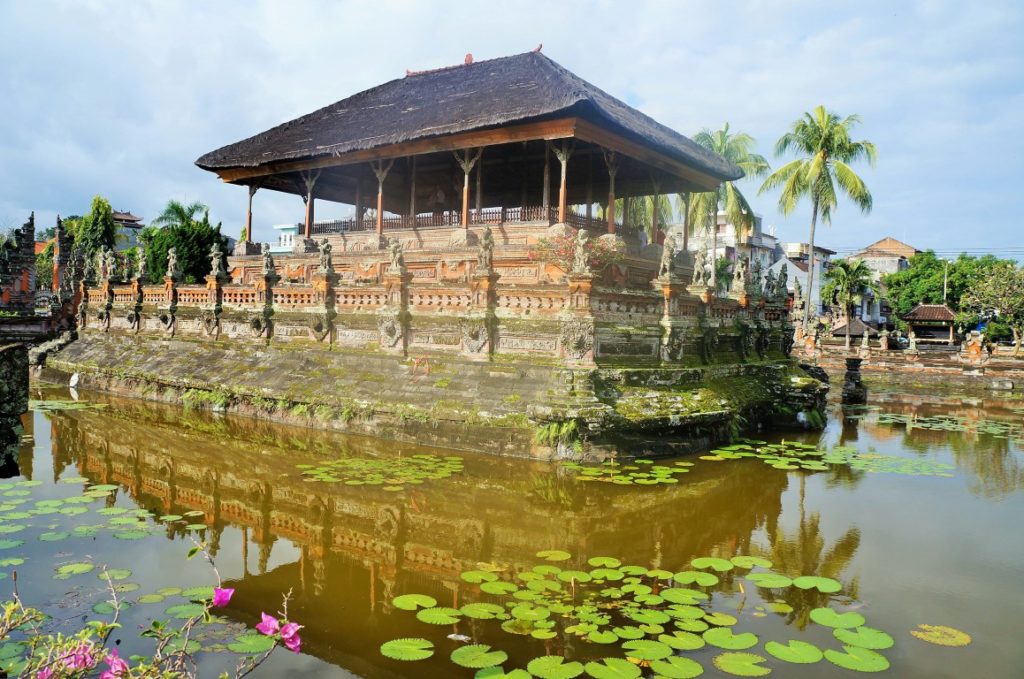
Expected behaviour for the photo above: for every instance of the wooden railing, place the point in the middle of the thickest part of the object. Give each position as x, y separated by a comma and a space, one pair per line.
447, 218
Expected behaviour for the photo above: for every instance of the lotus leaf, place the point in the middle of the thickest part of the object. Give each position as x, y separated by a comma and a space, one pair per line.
714, 563
251, 643
530, 613
865, 637
131, 535
696, 626
578, 576
799, 652
606, 574
150, 599
646, 649
628, 632
477, 656
11, 543
499, 673
751, 562
612, 668
857, 659
554, 555
554, 667
770, 580
721, 619
682, 641
723, 637
410, 602
696, 577
479, 611
543, 634
742, 664
678, 595
604, 562
677, 667
11, 561
941, 635
830, 618
66, 571
12, 528
498, 587
602, 637
823, 585
476, 577
438, 616
103, 608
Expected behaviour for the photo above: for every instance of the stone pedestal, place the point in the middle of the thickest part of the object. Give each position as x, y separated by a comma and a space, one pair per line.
462, 238
854, 390
580, 286
305, 246
246, 248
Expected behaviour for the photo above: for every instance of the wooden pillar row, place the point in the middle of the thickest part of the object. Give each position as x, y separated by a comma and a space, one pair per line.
563, 154
466, 162
248, 213
546, 196
611, 161
412, 188
381, 171
309, 179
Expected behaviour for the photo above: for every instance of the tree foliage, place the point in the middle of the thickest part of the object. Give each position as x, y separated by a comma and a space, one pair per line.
999, 294
44, 268
846, 282
181, 227
921, 282
97, 229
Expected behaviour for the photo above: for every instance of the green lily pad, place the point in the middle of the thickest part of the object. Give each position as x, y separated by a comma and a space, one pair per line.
11, 561
499, 673
697, 578
770, 580
751, 562
11, 543
823, 585
865, 637
578, 576
8, 528
677, 667
554, 667
714, 563
407, 649
115, 574
480, 611
150, 599
476, 577
857, 659
251, 643
742, 664
645, 649
498, 587
682, 641
186, 611
554, 555
830, 618
602, 562
67, 570
723, 637
438, 616
602, 637
612, 668
720, 619
54, 536
131, 534
202, 592
103, 608
410, 602
477, 656
169, 591
799, 652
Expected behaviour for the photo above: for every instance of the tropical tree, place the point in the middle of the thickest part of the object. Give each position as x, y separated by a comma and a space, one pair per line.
181, 227
821, 140
177, 214
846, 283
97, 229
1000, 295
702, 208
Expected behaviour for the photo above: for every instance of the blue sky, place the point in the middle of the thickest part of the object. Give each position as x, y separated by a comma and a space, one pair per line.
121, 98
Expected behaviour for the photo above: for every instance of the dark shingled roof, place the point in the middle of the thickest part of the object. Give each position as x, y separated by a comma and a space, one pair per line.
484, 94
930, 312
857, 327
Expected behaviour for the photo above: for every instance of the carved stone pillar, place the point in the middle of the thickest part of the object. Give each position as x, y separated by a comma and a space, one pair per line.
321, 324
393, 317
576, 343
672, 324
168, 315
479, 325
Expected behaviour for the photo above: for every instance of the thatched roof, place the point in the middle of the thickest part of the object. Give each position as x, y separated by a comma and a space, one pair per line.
475, 96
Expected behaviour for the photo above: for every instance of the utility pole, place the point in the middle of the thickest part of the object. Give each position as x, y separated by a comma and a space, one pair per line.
945, 280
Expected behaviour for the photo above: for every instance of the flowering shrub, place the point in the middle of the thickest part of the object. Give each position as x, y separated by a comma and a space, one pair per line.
561, 251
85, 653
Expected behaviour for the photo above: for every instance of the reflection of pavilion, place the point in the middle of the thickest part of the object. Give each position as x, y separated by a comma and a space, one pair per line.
360, 546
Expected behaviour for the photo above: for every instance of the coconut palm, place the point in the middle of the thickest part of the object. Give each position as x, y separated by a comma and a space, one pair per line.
822, 140
703, 208
846, 283
177, 214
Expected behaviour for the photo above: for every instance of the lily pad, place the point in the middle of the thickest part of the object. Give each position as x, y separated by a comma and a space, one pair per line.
11, 543
742, 664
407, 649
67, 570
498, 587
857, 659
414, 601
54, 536
612, 668
830, 618
251, 643
150, 599
554, 555
554, 667
714, 563
602, 562
751, 562
476, 577
438, 616
682, 641
865, 637
677, 667
645, 649
186, 611
723, 637
479, 611
770, 580
115, 574
941, 635
696, 578
477, 656
799, 652
823, 585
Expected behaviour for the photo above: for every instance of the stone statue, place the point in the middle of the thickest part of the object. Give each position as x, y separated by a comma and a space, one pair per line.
740, 273
699, 264
667, 268
326, 265
101, 264
173, 270
769, 285
782, 283
140, 264
111, 263
485, 255
397, 263
883, 340
755, 279
864, 341
268, 261
912, 338
581, 255
217, 261
798, 291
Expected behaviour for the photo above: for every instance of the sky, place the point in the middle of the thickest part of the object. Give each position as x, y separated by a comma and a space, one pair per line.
120, 98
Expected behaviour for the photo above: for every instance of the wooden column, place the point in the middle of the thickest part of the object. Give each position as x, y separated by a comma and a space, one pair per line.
611, 161
480, 186
248, 213
359, 205
654, 209
526, 175
412, 190
466, 162
381, 170
546, 196
563, 154
309, 179
590, 186
686, 221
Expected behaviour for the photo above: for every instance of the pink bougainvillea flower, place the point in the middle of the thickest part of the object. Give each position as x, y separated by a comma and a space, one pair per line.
44, 673
80, 657
118, 667
222, 596
290, 636
268, 625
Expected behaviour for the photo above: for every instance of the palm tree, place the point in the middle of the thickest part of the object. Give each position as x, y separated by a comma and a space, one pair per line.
846, 282
177, 214
822, 139
702, 208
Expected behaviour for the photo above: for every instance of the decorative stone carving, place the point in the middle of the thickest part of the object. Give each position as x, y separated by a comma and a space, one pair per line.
672, 346
140, 264
912, 338
708, 343
700, 264
769, 286
754, 284
485, 254
113, 272
268, 261
320, 326
740, 274
577, 337
782, 284
475, 335
581, 254
853, 387
764, 340
667, 266
389, 326
745, 340
396, 265
211, 322
217, 262
173, 268
883, 340
326, 265
259, 323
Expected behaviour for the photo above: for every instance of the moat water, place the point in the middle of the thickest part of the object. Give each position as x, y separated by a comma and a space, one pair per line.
921, 525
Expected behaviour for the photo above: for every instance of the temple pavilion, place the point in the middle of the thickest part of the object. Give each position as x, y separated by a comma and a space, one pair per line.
517, 140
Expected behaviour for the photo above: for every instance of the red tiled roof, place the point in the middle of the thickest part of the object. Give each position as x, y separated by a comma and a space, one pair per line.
930, 312
887, 247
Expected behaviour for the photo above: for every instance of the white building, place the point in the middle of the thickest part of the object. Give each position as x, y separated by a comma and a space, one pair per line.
758, 245
795, 257
286, 235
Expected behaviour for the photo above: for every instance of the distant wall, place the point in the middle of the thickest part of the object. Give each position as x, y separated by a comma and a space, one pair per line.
18, 270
